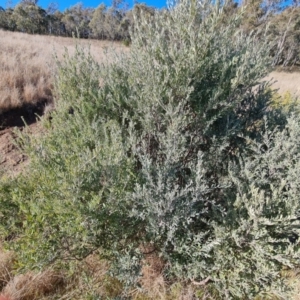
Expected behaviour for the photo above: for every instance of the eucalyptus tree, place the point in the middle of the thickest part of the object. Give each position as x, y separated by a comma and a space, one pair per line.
97, 23
76, 20
7, 21
30, 18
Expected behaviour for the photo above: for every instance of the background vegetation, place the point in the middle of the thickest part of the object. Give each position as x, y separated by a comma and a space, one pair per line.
113, 22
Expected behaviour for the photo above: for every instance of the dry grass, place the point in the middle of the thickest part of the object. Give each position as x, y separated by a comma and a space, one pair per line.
27, 65
87, 280
31, 286
6, 267
25, 72
90, 280
154, 285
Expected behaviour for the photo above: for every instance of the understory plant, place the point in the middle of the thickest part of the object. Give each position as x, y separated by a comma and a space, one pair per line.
172, 150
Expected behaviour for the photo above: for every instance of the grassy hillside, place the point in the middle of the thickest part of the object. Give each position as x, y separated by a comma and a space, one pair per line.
27, 66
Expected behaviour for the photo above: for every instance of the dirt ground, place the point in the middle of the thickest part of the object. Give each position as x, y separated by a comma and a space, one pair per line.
11, 158
286, 82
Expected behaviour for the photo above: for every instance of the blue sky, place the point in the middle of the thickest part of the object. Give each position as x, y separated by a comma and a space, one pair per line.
87, 3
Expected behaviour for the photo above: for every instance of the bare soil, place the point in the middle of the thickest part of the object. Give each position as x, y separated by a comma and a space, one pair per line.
286, 82
11, 158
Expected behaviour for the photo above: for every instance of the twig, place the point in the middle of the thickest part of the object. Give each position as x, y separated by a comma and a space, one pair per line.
202, 282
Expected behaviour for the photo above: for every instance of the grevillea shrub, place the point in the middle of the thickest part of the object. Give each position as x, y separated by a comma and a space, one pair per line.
173, 149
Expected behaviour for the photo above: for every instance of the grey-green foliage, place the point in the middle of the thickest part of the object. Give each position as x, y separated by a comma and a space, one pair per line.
97, 21
77, 19
167, 149
29, 18
110, 22
6, 20
266, 207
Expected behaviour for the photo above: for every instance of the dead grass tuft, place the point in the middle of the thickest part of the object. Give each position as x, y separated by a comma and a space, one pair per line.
31, 286
6, 267
152, 280
92, 280
88, 280
293, 280
154, 285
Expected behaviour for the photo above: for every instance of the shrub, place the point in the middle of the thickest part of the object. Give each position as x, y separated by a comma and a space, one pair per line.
173, 150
